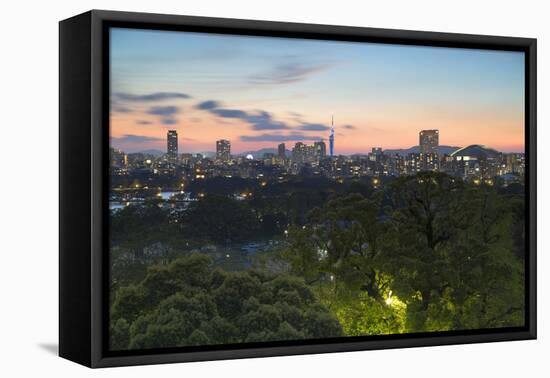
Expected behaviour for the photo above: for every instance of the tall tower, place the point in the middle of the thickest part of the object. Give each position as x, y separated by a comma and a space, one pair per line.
331, 138
282, 151
172, 145
428, 141
223, 150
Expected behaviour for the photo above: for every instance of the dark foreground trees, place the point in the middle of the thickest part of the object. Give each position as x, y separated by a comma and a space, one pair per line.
187, 303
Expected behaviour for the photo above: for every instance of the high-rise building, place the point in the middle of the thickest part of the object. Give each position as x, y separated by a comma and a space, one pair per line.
515, 163
429, 162
320, 150
172, 145
331, 138
428, 141
223, 150
413, 163
281, 151
299, 153
118, 158
376, 154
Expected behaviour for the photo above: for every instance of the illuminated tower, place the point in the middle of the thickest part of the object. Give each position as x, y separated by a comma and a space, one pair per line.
172, 145
331, 138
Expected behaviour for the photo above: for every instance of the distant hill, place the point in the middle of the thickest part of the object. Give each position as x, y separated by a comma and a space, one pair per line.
416, 149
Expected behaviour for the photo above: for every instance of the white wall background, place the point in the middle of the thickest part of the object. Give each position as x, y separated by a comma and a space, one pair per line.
28, 228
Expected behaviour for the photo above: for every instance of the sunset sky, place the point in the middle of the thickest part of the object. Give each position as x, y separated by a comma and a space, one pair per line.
258, 92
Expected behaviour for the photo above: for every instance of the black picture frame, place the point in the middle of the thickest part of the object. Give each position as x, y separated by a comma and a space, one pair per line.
83, 181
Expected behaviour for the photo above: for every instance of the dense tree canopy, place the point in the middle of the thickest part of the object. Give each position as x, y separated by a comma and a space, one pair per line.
188, 303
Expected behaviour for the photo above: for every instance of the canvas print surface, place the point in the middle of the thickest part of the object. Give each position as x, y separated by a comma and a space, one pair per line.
273, 189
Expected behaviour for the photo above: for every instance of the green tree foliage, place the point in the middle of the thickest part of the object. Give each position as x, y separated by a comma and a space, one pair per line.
362, 315
188, 303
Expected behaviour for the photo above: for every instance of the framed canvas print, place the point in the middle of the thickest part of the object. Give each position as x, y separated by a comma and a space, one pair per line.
233, 188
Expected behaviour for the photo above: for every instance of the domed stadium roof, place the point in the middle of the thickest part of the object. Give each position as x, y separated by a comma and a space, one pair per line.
476, 150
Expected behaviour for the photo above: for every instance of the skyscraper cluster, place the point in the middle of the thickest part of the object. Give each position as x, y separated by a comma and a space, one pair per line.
304, 154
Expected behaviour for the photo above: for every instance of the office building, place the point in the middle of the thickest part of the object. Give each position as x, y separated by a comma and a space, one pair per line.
428, 141
172, 145
281, 151
223, 150
320, 150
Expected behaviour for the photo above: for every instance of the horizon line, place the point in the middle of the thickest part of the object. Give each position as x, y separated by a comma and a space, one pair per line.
367, 151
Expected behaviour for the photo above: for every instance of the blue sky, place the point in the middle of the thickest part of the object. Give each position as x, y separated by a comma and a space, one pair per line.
273, 89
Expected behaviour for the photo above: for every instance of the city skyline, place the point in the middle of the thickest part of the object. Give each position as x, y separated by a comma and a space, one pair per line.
222, 148
473, 163
260, 92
